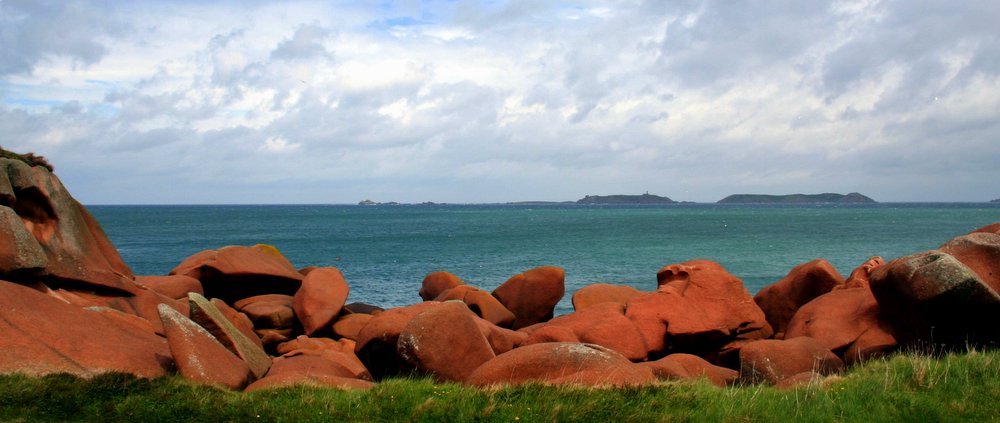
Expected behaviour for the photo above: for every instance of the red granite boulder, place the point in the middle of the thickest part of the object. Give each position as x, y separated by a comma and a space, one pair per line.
561, 364
602, 293
377, 340
44, 335
445, 342
349, 325
272, 311
602, 324
481, 303
861, 276
142, 302
932, 297
842, 320
500, 339
688, 366
238, 319
303, 342
199, 356
319, 300
804, 282
698, 308
46, 235
436, 283
773, 360
315, 368
236, 272
532, 296
206, 314
176, 286
980, 252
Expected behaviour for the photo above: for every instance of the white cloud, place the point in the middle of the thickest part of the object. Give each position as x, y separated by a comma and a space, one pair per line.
506, 101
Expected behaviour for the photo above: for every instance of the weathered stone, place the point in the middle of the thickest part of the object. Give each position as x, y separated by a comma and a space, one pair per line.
236, 272
215, 322
772, 360
842, 320
602, 293
303, 342
238, 319
804, 282
199, 356
602, 324
445, 342
176, 286
377, 340
349, 325
500, 339
980, 252
362, 308
688, 366
436, 283
318, 301
861, 276
698, 308
47, 235
561, 363
43, 335
932, 298
532, 296
272, 311
481, 303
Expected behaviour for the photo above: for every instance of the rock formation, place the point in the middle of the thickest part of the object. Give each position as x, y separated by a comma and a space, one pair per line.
69, 304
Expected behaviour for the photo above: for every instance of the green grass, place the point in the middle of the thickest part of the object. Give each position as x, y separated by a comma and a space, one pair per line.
956, 387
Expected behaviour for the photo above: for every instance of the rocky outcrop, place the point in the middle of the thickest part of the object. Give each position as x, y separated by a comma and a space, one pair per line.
803, 283
532, 296
68, 304
236, 272
47, 236
43, 334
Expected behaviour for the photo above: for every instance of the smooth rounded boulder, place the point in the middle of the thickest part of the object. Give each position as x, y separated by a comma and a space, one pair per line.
378, 339
444, 342
437, 282
698, 308
481, 303
598, 293
846, 321
932, 297
602, 324
532, 296
804, 282
557, 363
176, 286
236, 272
43, 334
688, 366
318, 302
773, 360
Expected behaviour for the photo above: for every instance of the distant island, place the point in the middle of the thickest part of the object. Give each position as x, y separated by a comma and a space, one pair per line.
646, 198
826, 198
996, 201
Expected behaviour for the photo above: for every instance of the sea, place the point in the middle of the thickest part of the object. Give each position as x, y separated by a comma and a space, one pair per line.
384, 251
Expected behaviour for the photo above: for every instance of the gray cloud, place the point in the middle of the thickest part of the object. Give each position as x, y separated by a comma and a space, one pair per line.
35, 30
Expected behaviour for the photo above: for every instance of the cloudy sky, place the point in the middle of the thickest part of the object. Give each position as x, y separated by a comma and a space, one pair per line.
148, 102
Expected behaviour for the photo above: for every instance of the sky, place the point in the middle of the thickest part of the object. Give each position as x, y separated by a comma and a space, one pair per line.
257, 102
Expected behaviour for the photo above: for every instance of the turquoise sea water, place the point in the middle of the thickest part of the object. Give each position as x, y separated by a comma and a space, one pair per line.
384, 252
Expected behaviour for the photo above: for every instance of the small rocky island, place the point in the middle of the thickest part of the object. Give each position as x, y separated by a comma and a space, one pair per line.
646, 198
826, 198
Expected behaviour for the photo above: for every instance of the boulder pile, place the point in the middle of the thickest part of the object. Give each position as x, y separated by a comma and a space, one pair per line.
244, 318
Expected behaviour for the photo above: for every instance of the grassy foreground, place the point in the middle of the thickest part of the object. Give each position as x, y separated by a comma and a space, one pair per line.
956, 387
